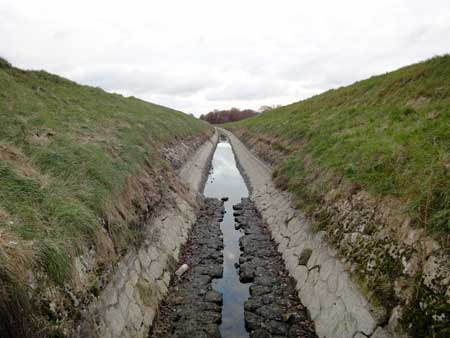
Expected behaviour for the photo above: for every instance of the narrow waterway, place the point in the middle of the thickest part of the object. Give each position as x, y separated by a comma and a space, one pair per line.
225, 180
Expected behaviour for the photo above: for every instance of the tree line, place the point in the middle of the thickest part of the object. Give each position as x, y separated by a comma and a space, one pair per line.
234, 114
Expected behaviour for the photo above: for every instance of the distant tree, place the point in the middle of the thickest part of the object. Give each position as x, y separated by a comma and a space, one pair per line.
231, 115
264, 109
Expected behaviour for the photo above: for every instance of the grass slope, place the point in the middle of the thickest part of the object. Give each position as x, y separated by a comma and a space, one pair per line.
66, 151
390, 134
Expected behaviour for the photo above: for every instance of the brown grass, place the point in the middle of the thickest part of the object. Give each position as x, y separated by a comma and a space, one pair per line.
13, 154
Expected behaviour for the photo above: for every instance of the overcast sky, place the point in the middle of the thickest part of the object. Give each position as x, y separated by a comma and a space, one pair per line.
196, 56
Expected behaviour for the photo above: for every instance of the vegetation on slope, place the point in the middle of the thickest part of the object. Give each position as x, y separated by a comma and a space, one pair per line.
389, 134
66, 153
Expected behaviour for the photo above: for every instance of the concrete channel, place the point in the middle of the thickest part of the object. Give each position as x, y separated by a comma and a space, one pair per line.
254, 268
253, 295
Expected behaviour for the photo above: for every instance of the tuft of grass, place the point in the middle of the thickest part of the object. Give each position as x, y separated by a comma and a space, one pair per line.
55, 261
390, 134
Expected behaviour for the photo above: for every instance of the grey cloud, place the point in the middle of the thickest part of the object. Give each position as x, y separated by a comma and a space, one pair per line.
207, 55
246, 90
141, 81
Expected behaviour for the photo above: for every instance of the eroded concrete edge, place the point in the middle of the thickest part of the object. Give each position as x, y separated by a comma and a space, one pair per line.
195, 172
334, 301
127, 306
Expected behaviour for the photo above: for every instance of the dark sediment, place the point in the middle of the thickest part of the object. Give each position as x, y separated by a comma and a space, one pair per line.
273, 309
192, 308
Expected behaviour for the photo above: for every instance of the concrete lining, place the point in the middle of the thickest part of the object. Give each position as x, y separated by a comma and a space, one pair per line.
195, 171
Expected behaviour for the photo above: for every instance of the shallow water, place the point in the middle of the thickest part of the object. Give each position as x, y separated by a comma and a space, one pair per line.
226, 180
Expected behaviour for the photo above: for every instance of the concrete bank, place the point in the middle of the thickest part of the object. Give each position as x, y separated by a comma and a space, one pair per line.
333, 300
126, 307
195, 171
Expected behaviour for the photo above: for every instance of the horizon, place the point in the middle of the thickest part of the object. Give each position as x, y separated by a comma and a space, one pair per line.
195, 59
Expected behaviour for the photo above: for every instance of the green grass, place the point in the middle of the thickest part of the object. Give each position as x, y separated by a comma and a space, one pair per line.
66, 153
390, 134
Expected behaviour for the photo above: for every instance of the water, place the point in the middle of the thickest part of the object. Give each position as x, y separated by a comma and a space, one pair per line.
226, 180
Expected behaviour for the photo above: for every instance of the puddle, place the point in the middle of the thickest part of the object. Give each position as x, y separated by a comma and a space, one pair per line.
226, 180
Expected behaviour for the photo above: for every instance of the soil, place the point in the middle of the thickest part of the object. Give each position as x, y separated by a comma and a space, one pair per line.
192, 308
273, 309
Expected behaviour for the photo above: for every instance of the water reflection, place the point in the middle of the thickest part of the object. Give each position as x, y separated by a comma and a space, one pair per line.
226, 180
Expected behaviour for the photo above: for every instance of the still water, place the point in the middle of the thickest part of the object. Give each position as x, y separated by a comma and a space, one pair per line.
226, 180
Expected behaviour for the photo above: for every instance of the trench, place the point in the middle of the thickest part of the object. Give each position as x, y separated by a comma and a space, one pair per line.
236, 285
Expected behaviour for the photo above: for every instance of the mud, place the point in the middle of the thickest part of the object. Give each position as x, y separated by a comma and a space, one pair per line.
192, 308
273, 309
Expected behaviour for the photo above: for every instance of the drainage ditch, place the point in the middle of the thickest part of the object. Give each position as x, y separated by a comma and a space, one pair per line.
225, 292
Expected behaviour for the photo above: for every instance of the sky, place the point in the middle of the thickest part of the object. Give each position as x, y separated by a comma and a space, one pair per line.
196, 56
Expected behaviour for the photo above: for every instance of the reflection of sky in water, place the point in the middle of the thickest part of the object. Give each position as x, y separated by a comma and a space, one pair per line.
226, 180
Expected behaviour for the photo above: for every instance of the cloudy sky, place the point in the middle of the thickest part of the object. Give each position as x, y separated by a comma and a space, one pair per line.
196, 56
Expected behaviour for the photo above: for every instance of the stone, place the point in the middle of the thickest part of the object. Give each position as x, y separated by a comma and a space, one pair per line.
271, 311
114, 321
166, 278
129, 288
252, 321
356, 305
246, 272
124, 301
300, 275
144, 259
360, 335
156, 270
214, 297
296, 239
260, 333
430, 245
278, 328
135, 316
394, 324
256, 290
381, 333
327, 268
212, 330
304, 256
330, 319
109, 296
332, 282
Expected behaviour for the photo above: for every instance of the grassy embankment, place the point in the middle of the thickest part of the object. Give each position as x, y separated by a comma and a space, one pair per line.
66, 153
389, 134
